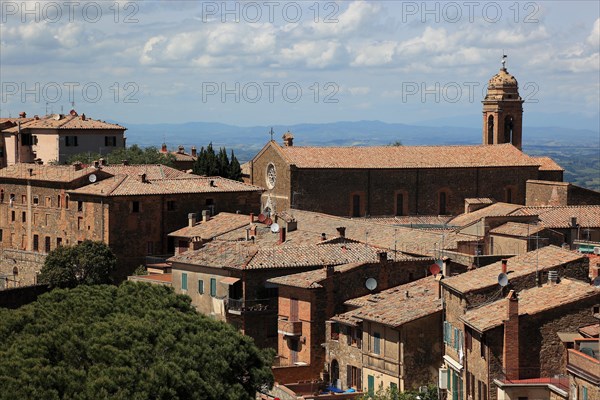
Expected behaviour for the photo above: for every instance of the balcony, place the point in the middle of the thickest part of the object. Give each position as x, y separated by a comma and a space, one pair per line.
585, 365
241, 306
289, 328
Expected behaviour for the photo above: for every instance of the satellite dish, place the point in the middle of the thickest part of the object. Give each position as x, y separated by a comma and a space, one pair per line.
275, 228
261, 218
93, 178
268, 221
371, 284
434, 269
597, 281
503, 279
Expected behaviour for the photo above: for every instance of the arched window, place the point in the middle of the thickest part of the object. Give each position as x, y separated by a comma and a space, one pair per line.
508, 129
67, 201
399, 203
15, 271
58, 202
356, 207
490, 129
509, 194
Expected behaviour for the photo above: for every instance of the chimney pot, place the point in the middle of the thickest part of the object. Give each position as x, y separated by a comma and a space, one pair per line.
342, 231
251, 217
102, 162
143, 178
83, 117
180, 149
205, 215
194, 151
125, 162
22, 114
163, 148
504, 266
282, 235
382, 257
329, 270
288, 139
323, 236
212, 183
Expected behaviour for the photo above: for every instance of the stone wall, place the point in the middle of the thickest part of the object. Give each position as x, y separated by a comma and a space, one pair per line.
19, 268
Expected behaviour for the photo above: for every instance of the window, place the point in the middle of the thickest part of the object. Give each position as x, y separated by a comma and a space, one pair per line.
79, 205
2, 196
36, 201
508, 195
23, 216
1, 152
23, 199
135, 206
26, 139
0, 235
110, 141
399, 203
447, 330
483, 347
213, 287
67, 201
584, 393
490, 121
335, 331
47, 244
376, 343
12, 216
48, 202
371, 385
58, 242
443, 198
356, 205
210, 202
171, 205
183, 281
47, 219
200, 286
58, 202
79, 223
36, 242
71, 141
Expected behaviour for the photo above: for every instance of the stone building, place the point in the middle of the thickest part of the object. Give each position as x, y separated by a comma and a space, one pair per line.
466, 366
308, 299
402, 180
131, 208
391, 339
183, 161
583, 367
55, 138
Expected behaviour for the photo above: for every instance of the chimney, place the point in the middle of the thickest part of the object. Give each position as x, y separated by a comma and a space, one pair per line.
329, 270
438, 287
205, 215
288, 139
125, 162
252, 230
36, 117
552, 277
83, 117
251, 217
574, 222
163, 148
96, 164
504, 266
143, 178
341, 231
102, 162
30, 171
323, 236
510, 359
193, 151
192, 219
22, 114
77, 166
281, 235
180, 149
382, 256
212, 183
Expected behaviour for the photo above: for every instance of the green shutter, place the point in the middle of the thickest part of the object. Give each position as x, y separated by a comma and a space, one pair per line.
584, 395
184, 281
213, 287
371, 385
200, 286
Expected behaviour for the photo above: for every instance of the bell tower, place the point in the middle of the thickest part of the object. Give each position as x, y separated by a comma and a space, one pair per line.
503, 110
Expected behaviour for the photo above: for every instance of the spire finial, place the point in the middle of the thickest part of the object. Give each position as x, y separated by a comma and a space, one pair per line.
271, 132
504, 57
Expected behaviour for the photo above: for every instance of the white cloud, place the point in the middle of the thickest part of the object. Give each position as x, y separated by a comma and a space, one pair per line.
594, 38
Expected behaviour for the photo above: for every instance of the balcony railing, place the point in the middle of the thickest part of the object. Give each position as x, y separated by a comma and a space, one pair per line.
290, 328
239, 306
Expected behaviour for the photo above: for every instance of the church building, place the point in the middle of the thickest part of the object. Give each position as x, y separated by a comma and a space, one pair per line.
406, 180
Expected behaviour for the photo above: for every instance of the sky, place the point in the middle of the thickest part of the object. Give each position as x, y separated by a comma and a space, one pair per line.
286, 62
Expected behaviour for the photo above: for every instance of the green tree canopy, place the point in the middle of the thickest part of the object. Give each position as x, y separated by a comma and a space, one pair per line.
210, 163
88, 262
133, 154
135, 341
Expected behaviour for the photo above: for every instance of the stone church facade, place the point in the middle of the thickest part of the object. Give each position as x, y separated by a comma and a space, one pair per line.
403, 180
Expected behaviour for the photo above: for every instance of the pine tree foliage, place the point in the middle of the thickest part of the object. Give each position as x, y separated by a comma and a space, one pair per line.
210, 163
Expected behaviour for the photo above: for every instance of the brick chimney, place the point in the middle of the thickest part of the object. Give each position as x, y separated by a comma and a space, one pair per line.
341, 231
194, 151
382, 256
205, 215
143, 178
329, 270
77, 166
251, 217
510, 359
163, 149
282, 235
192, 219
102, 162
22, 114
504, 266
180, 149
288, 139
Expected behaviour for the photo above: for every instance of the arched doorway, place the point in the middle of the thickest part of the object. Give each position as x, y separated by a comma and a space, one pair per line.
490, 130
508, 129
335, 373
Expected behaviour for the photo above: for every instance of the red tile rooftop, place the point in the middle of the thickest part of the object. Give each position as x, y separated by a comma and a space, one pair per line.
215, 226
494, 210
47, 173
592, 331
517, 229
396, 306
163, 278
531, 302
409, 220
65, 122
406, 157
548, 164
559, 217
541, 259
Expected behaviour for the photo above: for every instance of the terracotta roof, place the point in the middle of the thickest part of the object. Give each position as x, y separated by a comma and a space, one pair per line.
405, 157
592, 330
517, 229
165, 279
411, 220
392, 307
313, 279
545, 258
215, 226
132, 185
65, 122
402, 239
246, 255
548, 164
531, 302
502, 78
559, 217
493, 210
183, 156
49, 173
152, 171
